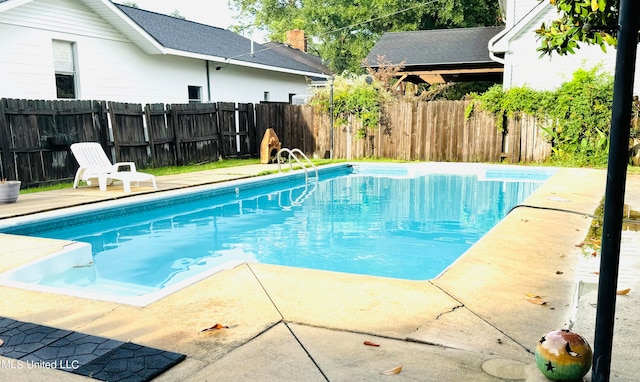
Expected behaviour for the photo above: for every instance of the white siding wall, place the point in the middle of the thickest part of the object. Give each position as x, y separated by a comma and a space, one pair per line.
519, 9
112, 68
240, 84
26, 64
524, 66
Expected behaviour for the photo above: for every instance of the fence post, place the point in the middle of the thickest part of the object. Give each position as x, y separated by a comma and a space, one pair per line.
114, 129
253, 131
150, 134
176, 135
101, 119
8, 165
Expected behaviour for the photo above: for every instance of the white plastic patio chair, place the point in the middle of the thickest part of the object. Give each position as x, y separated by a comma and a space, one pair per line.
94, 164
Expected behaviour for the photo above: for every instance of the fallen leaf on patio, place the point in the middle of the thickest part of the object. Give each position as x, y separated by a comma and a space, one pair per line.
596, 273
580, 245
536, 300
595, 241
369, 343
531, 295
594, 254
214, 327
624, 291
394, 371
559, 272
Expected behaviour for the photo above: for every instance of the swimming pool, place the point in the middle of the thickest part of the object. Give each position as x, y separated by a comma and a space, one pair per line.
402, 221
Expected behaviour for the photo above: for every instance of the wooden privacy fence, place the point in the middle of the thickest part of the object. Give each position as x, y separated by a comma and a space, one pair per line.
35, 135
169, 135
439, 131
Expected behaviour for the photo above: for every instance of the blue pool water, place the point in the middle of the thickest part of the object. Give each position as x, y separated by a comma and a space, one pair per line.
381, 220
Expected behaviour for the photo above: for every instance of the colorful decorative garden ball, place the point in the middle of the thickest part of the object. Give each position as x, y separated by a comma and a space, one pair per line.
562, 355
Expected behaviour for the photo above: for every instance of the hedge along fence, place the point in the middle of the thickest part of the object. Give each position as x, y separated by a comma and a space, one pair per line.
36, 135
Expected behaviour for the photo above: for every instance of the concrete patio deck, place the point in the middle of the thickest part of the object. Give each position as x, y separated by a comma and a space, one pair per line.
473, 323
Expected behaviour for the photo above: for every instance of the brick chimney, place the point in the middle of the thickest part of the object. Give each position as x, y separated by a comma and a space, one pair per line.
296, 39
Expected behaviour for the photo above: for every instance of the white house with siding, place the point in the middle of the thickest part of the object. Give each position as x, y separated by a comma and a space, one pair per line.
515, 47
95, 49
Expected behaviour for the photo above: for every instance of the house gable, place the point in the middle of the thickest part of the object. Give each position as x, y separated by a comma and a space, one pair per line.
112, 66
521, 20
156, 33
523, 65
59, 16
26, 35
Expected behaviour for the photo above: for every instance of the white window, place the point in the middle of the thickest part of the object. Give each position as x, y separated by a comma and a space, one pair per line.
64, 62
195, 94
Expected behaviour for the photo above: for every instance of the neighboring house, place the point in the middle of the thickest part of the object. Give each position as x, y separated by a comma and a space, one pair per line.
95, 49
439, 55
516, 47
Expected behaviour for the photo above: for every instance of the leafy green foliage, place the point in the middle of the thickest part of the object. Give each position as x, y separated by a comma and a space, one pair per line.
343, 32
576, 116
581, 21
582, 112
635, 121
353, 97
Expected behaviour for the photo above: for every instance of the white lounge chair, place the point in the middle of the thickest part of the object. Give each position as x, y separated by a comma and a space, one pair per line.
94, 164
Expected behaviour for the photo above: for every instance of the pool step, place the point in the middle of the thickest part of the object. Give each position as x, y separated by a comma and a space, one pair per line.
107, 287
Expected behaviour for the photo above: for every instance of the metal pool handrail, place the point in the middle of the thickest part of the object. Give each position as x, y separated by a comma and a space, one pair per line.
292, 154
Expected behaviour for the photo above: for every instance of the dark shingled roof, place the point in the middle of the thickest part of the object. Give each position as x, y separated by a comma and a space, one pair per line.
435, 47
298, 55
189, 36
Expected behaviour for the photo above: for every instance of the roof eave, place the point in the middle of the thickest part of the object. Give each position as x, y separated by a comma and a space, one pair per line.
278, 69
5, 6
113, 15
228, 61
452, 63
426, 64
500, 42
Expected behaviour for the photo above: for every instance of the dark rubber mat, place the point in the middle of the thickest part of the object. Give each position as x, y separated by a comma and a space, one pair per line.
83, 354
130, 362
73, 350
23, 338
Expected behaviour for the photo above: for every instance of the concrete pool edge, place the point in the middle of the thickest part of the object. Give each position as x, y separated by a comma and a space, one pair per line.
391, 311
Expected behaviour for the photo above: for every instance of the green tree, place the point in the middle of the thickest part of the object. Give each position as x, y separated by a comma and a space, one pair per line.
343, 32
581, 21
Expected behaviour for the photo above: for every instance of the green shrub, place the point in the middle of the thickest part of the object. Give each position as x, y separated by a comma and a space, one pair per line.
352, 97
576, 117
